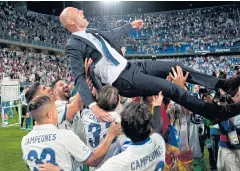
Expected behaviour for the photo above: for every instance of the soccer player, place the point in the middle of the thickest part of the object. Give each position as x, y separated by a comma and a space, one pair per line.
65, 111
147, 149
95, 131
47, 144
68, 113
24, 109
37, 89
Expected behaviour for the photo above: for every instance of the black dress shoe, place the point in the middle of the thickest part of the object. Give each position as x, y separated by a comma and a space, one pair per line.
231, 85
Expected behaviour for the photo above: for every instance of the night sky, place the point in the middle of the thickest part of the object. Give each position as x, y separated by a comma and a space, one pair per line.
124, 7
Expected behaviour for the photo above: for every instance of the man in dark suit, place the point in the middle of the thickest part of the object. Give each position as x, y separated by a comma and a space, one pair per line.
136, 78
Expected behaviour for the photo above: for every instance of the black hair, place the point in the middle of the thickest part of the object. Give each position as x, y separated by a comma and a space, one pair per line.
55, 82
32, 91
166, 101
223, 98
37, 102
136, 121
206, 95
203, 91
108, 98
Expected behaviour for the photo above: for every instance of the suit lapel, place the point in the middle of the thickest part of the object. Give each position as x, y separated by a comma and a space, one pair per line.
93, 31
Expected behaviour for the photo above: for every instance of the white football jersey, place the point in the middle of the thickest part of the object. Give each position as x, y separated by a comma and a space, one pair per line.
62, 112
96, 131
46, 143
148, 155
122, 105
75, 125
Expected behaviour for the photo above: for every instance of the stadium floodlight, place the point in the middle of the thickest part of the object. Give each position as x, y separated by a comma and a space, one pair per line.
109, 1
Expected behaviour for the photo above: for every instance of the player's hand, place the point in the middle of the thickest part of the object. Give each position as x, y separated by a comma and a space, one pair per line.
169, 78
48, 167
137, 24
178, 77
123, 49
157, 100
89, 83
101, 114
115, 129
94, 91
88, 62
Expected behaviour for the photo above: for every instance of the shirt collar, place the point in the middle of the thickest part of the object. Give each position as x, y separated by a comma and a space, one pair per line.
61, 102
44, 126
142, 142
79, 32
113, 112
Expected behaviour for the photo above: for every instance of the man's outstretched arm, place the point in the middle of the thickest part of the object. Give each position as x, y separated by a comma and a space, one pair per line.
117, 33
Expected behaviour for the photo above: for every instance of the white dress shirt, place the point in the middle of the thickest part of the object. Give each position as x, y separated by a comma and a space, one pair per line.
105, 70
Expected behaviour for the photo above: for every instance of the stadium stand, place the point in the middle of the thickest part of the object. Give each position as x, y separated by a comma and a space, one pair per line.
205, 30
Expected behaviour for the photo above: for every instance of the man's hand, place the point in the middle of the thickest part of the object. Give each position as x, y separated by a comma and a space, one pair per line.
157, 100
88, 62
48, 167
100, 114
137, 24
114, 130
178, 77
89, 83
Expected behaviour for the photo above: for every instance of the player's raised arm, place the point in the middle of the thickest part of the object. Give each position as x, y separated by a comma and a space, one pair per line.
74, 107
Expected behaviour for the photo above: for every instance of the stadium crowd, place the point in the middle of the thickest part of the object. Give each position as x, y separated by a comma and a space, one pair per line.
198, 28
148, 133
46, 68
31, 26
29, 67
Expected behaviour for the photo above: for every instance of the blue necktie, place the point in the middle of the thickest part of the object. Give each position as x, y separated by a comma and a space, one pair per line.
105, 49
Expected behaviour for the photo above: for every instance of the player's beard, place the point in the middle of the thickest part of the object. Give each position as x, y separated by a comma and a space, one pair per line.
65, 96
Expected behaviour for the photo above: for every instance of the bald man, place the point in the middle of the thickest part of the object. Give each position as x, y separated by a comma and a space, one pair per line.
145, 78
47, 144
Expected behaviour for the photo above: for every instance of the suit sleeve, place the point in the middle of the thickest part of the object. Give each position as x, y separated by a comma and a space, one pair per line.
119, 32
77, 68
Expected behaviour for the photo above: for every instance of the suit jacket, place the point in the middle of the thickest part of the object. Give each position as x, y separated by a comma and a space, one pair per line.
78, 49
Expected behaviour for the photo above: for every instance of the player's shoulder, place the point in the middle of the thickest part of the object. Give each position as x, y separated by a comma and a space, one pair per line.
86, 113
60, 105
157, 137
117, 163
65, 132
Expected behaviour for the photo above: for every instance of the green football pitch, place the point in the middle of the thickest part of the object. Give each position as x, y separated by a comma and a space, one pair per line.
11, 153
